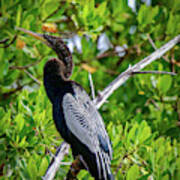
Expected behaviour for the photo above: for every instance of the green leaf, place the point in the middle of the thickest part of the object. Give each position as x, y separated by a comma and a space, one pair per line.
164, 83
133, 173
173, 24
5, 120
19, 15
146, 15
43, 167
4, 65
132, 135
22, 143
32, 168
19, 119
144, 132
100, 11
49, 7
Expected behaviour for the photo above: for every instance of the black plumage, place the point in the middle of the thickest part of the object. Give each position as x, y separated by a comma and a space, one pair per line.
74, 114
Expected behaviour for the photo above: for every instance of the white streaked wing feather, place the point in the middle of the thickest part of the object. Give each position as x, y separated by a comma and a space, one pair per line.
77, 121
93, 115
86, 124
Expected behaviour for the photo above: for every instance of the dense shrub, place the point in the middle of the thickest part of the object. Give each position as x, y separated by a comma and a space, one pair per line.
142, 117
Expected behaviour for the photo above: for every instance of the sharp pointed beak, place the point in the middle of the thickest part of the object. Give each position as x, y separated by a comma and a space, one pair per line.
35, 35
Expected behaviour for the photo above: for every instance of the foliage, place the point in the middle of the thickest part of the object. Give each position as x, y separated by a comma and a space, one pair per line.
142, 117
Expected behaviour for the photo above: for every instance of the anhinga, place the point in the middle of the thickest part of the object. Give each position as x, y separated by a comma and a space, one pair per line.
75, 116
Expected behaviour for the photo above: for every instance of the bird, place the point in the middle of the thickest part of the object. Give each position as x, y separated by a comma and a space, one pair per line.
75, 115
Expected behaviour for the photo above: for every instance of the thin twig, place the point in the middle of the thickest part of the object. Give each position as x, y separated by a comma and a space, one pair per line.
7, 94
19, 88
153, 102
4, 41
32, 77
151, 42
106, 54
121, 79
154, 46
121, 163
92, 86
154, 72
175, 62
26, 66
66, 163
111, 52
11, 42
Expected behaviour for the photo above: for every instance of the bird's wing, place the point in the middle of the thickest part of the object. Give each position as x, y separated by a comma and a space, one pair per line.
84, 121
78, 121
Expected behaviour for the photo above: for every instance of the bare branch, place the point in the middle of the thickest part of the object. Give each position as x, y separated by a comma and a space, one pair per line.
100, 99
7, 94
4, 41
26, 66
92, 86
153, 102
32, 77
24, 69
154, 72
7, 45
154, 46
151, 42
62, 150
123, 77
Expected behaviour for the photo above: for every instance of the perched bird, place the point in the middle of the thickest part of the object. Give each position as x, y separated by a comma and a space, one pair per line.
75, 116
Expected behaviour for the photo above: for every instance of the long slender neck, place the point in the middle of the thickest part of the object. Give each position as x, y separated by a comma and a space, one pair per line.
54, 87
62, 52
65, 55
54, 78
57, 71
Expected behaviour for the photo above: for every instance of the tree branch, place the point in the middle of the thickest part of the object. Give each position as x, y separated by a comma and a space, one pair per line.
26, 66
154, 72
123, 77
23, 68
91, 86
5, 40
155, 48
32, 77
62, 150
102, 97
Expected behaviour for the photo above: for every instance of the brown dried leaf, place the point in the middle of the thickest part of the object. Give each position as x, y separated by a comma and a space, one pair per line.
88, 68
20, 44
49, 27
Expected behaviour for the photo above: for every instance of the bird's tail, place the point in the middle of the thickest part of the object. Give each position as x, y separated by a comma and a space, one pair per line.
103, 166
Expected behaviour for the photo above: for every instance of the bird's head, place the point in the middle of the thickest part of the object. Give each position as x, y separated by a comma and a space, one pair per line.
57, 44
51, 41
